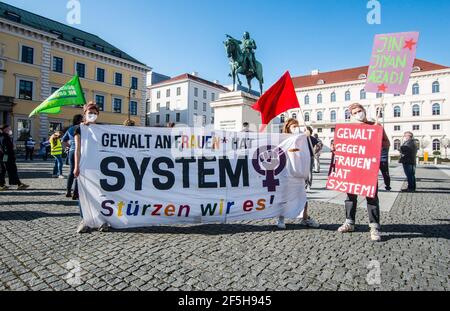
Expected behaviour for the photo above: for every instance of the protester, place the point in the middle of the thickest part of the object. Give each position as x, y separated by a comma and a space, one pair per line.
90, 115
245, 127
56, 152
292, 127
333, 160
69, 140
29, 148
129, 122
359, 114
312, 145
44, 149
317, 152
408, 159
384, 164
8, 163
171, 124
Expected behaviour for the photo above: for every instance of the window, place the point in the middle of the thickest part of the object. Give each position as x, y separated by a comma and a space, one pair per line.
134, 83
168, 93
435, 87
397, 112
436, 127
333, 97
294, 116
397, 128
195, 105
332, 129
57, 64
167, 117
333, 116
167, 105
23, 129
397, 144
158, 94
282, 118
436, 145
380, 112
415, 89
81, 70
319, 116
319, 130
100, 101
307, 117
347, 96
25, 90
118, 79
177, 117
307, 100
396, 95
195, 92
204, 106
319, 98
100, 75
203, 120
27, 54
117, 106
54, 126
379, 95
158, 107
347, 115
212, 120
53, 90
158, 119
416, 127
213, 96
133, 108
204, 94
436, 110
362, 94
415, 110
178, 91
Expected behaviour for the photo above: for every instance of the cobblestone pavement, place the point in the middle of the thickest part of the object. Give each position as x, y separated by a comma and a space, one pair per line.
41, 251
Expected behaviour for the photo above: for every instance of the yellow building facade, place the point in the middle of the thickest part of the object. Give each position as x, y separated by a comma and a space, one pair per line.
35, 61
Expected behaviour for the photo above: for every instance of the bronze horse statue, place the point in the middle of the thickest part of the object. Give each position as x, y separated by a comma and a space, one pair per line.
239, 66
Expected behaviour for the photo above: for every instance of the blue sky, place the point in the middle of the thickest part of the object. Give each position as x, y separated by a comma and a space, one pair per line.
178, 36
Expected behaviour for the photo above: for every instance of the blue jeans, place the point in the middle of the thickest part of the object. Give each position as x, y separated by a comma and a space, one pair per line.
71, 178
57, 169
410, 172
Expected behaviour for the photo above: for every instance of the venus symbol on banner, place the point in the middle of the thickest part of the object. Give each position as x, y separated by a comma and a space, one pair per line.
269, 161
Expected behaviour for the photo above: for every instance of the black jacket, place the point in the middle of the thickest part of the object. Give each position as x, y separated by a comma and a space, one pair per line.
408, 152
7, 146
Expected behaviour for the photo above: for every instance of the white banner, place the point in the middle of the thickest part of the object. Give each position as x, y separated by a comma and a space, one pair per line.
137, 177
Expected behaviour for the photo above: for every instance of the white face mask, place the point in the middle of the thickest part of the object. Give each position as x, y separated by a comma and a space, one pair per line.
360, 116
91, 117
10, 133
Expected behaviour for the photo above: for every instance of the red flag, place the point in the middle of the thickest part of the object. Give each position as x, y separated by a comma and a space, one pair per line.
279, 98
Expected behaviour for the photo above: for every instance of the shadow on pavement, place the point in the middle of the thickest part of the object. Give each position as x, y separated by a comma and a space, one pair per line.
61, 202
31, 215
21, 193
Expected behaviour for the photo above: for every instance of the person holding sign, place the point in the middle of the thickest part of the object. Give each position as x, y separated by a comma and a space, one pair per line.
359, 114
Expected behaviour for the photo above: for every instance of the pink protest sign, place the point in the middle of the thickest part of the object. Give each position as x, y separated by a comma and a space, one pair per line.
391, 63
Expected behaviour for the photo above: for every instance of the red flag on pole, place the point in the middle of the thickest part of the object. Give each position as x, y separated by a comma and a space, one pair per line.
278, 99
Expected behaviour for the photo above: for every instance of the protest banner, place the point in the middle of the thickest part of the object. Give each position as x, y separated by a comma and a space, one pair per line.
357, 159
391, 62
136, 177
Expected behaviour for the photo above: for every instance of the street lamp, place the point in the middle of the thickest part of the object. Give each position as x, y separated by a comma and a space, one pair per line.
131, 93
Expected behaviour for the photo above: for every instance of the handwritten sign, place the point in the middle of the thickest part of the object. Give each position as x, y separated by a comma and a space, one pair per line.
357, 156
392, 62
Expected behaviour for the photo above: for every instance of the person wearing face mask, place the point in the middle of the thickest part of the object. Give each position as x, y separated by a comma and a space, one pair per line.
8, 163
292, 127
90, 115
358, 113
56, 152
408, 159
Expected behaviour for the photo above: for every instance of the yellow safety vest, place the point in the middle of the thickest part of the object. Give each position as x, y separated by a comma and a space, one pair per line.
56, 147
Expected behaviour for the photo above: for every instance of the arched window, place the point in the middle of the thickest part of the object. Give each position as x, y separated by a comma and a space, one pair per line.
435, 87
415, 110
397, 144
415, 89
436, 110
319, 116
347, 96
333, 115
282, 118
436, 145
397, 112
347, 115
307, 100
294, 116
306, 116
362, 94
333, 97
319, 98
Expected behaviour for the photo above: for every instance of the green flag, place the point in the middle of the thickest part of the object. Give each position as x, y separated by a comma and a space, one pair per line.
69, 94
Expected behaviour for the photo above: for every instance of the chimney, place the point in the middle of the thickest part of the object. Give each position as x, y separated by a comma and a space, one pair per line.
315, 72
195, 73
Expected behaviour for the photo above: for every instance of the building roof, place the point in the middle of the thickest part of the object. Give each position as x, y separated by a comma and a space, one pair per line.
350, 74
187, 76
64, 32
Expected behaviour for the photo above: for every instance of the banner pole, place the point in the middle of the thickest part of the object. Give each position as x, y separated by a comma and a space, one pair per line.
381, 106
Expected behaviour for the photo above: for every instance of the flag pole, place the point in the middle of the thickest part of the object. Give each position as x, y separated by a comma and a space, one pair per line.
381, 108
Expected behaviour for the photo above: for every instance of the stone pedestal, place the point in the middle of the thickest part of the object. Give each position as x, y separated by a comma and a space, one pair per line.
232, 109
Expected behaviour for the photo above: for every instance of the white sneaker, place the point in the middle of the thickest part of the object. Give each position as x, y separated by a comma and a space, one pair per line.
310, 222
281, 224
82, 228
375, 234
61, 176
346, 227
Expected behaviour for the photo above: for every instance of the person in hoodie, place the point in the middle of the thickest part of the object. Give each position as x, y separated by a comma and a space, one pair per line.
408, 153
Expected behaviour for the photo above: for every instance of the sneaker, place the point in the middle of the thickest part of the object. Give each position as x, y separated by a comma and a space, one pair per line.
22, 187
375, 235
310, 223
61, 177
388, 188
75, 197
346, 227
3, 188
281, 224
82, 228
104, 228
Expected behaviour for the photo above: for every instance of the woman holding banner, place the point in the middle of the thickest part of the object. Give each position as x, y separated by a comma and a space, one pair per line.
292, 127
359, 114
90, 115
